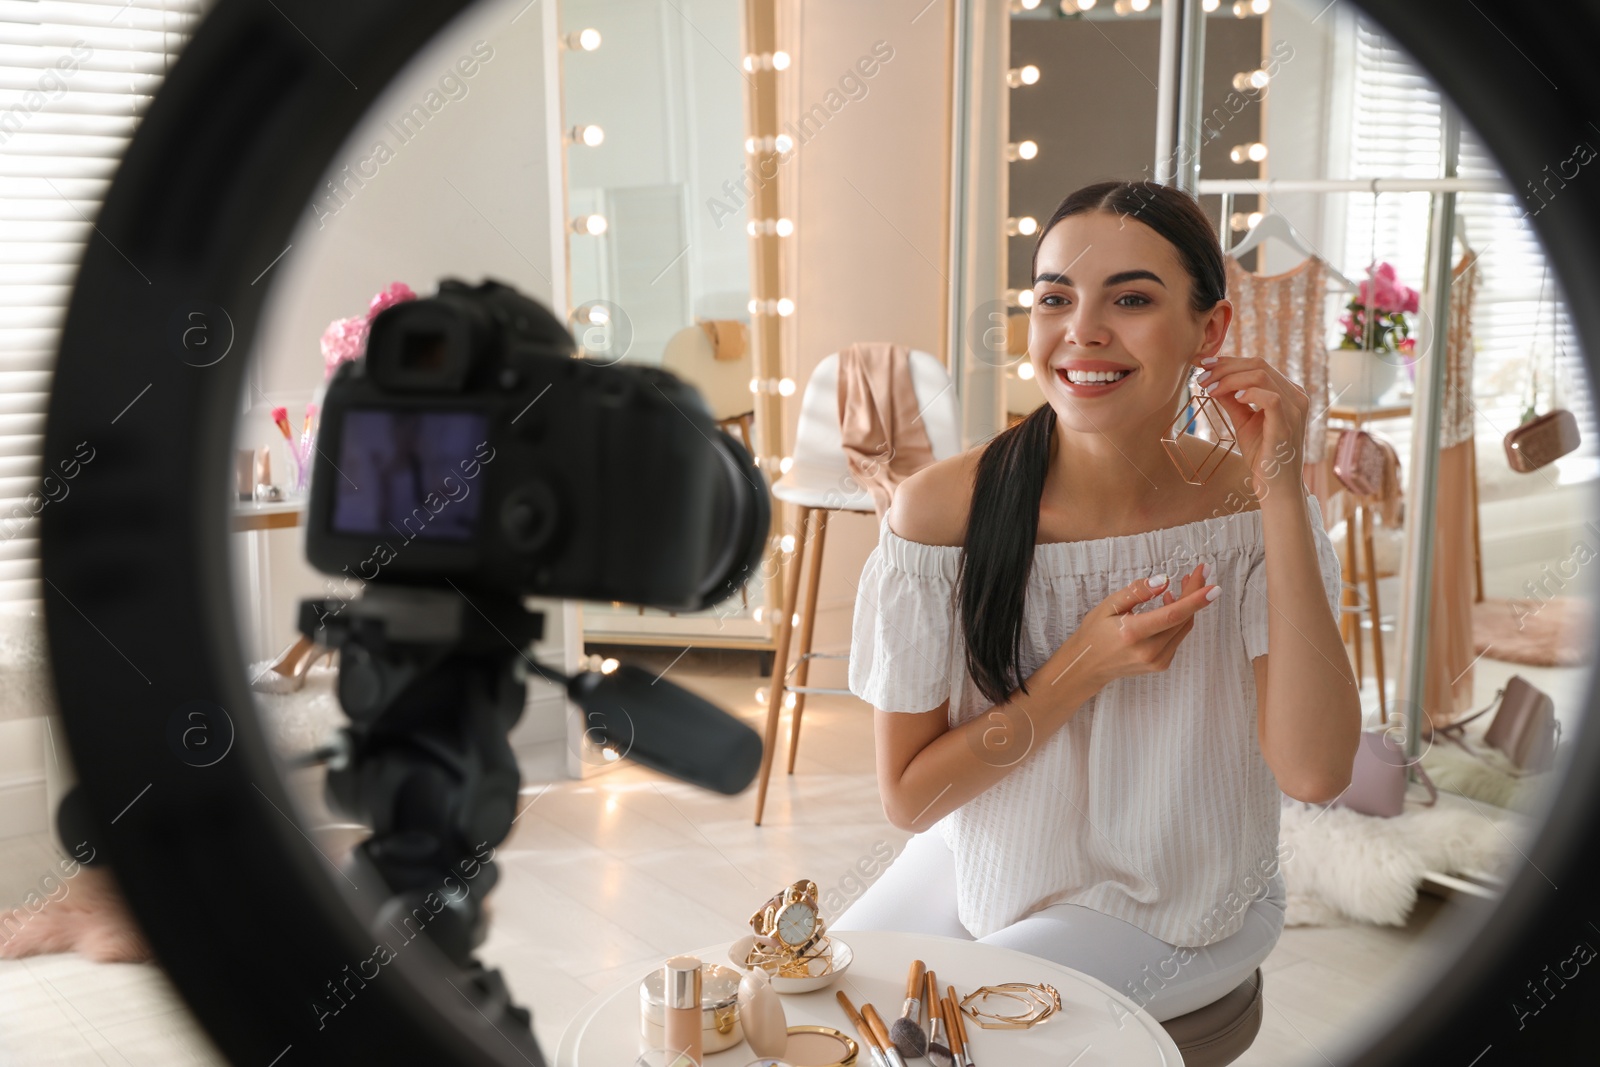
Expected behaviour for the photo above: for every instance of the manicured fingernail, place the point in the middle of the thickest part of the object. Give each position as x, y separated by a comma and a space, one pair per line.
1205, 572
1204, 376
1216, 591
1158, 579
1208, 361
1239, 395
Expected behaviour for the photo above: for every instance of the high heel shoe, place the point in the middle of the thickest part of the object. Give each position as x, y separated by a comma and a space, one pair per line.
287, 673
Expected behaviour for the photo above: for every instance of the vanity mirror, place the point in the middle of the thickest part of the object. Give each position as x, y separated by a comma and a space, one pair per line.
1343, 185
666, 229
1325, 151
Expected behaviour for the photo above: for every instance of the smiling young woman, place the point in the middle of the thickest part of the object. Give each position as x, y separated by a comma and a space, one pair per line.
1066, 641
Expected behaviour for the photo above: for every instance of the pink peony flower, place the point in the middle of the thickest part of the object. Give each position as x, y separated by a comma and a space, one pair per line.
398, 292
346, 339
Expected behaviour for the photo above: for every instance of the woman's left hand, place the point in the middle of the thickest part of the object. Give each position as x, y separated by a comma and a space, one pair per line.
1268, 413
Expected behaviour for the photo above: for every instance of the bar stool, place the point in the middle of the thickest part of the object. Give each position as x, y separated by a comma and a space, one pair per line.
1356, 601
1220, 1032
819, 482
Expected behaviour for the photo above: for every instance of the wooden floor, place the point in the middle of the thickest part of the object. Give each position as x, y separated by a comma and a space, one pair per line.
603, 878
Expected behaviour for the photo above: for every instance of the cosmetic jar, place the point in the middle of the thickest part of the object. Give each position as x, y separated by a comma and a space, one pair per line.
719, 1008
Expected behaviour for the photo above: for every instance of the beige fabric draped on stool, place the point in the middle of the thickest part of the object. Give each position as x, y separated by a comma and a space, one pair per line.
1447, 690
880, 426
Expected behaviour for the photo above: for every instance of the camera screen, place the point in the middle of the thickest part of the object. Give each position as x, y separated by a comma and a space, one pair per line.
409, 474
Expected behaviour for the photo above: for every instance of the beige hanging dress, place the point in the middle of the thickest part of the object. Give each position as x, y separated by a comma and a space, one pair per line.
1447, 689
1279, 318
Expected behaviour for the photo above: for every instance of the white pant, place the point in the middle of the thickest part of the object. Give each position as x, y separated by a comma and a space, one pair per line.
917, 894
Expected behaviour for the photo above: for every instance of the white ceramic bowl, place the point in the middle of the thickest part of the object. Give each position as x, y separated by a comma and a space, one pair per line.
842, 957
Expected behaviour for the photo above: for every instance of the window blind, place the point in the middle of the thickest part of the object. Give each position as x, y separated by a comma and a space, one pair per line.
1397, 132
75, 78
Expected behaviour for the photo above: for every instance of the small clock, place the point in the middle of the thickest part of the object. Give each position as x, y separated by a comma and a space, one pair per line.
796, 924
792, 917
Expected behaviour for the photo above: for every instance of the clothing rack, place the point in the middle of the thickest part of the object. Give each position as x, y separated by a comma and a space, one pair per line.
1181, 60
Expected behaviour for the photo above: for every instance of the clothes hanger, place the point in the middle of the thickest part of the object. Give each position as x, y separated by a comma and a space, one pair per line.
1275, 224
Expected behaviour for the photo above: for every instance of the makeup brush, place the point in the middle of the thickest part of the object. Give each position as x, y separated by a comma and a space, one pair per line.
869, 1042
958, 1029
907, 1032
881, 1032
958, 1047
938, 1052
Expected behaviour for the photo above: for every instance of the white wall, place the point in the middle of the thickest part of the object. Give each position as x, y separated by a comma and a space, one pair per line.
467, 192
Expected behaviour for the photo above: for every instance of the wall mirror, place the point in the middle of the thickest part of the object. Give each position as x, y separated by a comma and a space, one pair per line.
657, 220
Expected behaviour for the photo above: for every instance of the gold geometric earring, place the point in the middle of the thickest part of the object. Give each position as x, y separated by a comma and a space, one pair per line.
1204, 418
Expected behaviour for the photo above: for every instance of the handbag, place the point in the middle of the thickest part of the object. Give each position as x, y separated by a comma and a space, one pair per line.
1542, 439
1358, 462
1378, 777
1524, 727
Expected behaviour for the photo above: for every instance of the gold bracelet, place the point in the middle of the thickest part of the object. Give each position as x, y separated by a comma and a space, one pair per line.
1041, 1000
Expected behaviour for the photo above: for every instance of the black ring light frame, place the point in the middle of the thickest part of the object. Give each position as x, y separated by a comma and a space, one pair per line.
242, 911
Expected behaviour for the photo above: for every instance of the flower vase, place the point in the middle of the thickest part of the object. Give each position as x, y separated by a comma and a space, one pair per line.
1360, 378
301, 453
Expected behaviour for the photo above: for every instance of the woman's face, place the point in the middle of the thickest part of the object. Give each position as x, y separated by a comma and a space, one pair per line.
1112, 295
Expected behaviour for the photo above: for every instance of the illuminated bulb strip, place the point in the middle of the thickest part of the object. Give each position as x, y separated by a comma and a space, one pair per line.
781, 386
782, 306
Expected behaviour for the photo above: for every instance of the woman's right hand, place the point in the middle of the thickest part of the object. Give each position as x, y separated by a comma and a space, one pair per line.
1115, 642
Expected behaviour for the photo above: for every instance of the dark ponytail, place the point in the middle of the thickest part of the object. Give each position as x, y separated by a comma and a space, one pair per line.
1003, 521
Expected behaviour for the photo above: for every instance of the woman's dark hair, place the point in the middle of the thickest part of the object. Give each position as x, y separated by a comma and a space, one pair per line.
1003, 524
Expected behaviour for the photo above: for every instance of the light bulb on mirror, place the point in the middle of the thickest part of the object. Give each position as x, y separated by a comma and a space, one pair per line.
1209, 5
1025, 226
783, 227
1025, 371
784, 464
584, 40
780, 61
787, 542
785, 306
1017, 77
783, 142
590, 136
592, 225
786, 387
1022, 150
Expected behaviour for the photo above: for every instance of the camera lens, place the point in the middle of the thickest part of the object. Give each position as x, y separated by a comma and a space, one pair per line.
740, 519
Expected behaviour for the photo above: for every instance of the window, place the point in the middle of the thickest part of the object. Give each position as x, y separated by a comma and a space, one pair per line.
75, 77
1397, 129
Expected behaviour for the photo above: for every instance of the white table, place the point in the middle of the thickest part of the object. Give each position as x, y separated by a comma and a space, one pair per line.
1096, 1024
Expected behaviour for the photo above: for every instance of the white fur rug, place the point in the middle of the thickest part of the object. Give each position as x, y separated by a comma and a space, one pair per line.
1346, 867
297, 723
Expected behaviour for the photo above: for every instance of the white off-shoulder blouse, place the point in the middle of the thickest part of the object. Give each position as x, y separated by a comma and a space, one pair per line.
1153, 804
